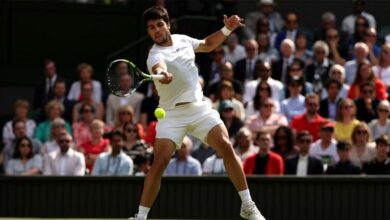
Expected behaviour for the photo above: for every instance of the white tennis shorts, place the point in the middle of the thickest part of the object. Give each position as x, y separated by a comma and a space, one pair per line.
195, 118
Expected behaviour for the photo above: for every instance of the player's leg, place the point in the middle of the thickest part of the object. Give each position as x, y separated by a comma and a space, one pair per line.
163, 150
218, 138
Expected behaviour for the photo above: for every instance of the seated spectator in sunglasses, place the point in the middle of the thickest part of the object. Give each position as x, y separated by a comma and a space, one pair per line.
381, 126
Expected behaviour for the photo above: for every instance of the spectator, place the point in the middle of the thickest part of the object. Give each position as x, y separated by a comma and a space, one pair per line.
344, 166
266, 52
53, 109
234, 51
21, 108
345, 120
211, 69
184, 164
60, 95
317, 72
226, 74
142, 164
264, 72
279, 68
226, 92
361, 25
262, 27
229, 118
263, 91
81, 129
325, 147
367, 103
380, 165
66, 161
337, 72
265, 162
56, 129
124, 115
382, 70
304, 164
116, 162
133, 142
284, 142
243, 145
301, 52
24, 162
328, 21
114, 103
381, 126
85, 72
338, 47
328, 105
363, 150
295, 103
44, 89
266, 9
370, 38
214, 165
294, 70
19, 130
267, 120
245, 68
87, 97
365, 74
98, 144
348, 24
351, 67
203, 152
310, 120
290, 31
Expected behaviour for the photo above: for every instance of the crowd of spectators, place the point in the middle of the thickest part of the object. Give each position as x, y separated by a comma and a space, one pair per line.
294, 101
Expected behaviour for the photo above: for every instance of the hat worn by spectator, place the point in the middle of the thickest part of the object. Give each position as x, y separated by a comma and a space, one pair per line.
225, 104
328, 126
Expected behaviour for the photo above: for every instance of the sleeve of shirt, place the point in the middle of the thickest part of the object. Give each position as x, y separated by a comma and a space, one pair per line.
97, 166
207, 166
153, 59
197, 169
194, 42
126, 168
37, 162
80, 168
9, 167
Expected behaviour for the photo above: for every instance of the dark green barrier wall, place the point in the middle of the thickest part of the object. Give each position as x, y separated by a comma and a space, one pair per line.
334, 198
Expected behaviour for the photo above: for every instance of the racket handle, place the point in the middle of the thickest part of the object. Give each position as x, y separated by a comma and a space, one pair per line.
158, 77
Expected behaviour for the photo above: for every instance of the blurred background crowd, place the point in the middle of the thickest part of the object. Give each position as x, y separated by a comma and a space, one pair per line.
295, 101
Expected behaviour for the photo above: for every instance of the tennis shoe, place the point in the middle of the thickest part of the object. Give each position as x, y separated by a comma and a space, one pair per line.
250, 211
136, 218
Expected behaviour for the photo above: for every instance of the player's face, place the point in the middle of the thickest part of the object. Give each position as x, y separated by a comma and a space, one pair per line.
158, 30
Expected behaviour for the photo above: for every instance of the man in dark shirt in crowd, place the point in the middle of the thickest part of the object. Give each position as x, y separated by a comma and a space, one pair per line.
381, 164
344, 166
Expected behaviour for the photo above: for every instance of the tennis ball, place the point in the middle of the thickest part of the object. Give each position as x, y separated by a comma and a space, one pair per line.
159, 113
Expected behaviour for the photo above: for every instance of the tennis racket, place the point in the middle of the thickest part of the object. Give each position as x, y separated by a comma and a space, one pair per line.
123, 77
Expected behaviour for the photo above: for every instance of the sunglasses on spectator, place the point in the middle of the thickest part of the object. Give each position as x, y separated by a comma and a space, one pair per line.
312, 104
348, 106
25, 145
125, 113
264, 88
327, 129
64, 141
368, 91
268, 105
228, 110
87, 110
361, 132
332, 36
383, 110
295, 69
320, 52
307, 141
131, 130
291, 21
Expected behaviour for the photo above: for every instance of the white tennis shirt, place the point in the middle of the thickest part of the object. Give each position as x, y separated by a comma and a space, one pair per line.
180, 61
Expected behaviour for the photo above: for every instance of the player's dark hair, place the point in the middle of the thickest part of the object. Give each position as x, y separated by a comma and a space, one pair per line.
155, 13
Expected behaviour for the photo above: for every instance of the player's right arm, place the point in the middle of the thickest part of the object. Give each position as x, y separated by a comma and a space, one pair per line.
157, 66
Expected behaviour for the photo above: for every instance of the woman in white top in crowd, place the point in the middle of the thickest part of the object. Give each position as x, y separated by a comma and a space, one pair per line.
85, 72
381, 125
337, 72
363, 149
87, 92
21, 107
382, 70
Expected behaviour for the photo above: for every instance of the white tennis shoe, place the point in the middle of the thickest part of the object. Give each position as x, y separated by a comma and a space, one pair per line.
251, 212
136, 218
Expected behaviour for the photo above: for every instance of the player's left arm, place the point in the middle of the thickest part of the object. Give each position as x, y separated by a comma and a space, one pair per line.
212, 41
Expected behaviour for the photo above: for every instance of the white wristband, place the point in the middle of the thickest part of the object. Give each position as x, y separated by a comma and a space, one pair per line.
226, 31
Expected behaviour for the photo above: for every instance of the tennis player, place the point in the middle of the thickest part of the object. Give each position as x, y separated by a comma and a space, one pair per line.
173, 55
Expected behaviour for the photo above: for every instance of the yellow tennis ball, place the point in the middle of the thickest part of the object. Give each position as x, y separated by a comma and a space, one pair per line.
159, 113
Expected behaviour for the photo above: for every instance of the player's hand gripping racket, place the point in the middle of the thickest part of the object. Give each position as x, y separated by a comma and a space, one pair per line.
123, 78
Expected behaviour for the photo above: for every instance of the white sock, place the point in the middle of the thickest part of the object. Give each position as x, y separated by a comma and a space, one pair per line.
245, 196
143, 211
